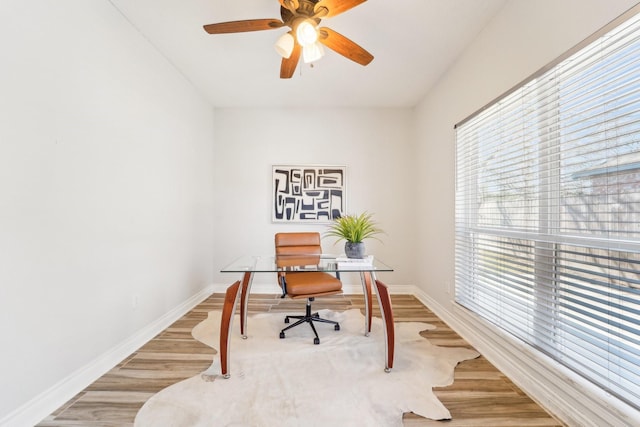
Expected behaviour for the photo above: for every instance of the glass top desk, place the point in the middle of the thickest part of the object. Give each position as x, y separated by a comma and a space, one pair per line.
249, 265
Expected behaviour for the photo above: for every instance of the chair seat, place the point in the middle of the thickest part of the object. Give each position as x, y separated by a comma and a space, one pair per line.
312, 284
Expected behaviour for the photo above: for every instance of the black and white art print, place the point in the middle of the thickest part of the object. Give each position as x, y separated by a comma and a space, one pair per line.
308, 193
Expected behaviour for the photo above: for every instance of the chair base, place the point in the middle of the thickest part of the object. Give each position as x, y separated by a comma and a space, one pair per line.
308, 318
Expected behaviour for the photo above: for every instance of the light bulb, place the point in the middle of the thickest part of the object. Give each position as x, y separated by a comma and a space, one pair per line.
306, 33
284, 45
312, 52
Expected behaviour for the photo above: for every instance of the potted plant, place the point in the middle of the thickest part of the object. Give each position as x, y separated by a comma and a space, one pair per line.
354, 229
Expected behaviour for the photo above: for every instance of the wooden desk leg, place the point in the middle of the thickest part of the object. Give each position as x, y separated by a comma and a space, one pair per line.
384, 300
244, 302
228, 311
365, 277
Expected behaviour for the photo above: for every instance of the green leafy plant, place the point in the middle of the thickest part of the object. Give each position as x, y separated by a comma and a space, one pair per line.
354, 228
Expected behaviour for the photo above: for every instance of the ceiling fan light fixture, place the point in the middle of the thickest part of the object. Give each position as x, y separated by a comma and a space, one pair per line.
284, 45
312, 52
305, 40
306, 33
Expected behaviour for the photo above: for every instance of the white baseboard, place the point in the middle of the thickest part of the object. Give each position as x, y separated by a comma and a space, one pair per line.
48, 401
563, 393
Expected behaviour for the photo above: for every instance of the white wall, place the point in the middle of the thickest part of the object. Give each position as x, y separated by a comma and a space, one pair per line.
524, 37
372, 143
105, 189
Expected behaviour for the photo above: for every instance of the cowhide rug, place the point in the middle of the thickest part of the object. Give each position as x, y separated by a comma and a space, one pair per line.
292, 382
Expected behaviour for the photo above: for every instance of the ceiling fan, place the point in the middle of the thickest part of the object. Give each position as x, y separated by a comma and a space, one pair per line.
305, 36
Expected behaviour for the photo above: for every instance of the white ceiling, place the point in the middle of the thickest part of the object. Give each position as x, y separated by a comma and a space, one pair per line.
413, 41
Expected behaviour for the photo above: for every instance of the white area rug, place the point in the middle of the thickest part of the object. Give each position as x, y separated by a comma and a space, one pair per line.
291, 382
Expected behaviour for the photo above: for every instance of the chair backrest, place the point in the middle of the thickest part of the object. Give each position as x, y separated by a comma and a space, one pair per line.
298, 250
306, 243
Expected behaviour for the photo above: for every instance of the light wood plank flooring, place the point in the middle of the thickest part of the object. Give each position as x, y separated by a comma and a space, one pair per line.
480, 396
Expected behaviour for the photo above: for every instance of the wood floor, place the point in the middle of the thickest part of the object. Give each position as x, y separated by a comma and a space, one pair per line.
480, 395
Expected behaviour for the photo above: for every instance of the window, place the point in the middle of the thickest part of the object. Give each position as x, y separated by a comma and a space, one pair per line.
548, 211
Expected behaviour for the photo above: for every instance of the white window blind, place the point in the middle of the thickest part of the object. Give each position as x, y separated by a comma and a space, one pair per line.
548, 212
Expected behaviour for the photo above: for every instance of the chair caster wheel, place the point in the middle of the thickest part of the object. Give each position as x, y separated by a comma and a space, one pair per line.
336, 327
316, 315
281, 335
316, 341
286, 320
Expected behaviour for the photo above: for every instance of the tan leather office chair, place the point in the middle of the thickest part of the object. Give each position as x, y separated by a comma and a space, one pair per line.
299, 249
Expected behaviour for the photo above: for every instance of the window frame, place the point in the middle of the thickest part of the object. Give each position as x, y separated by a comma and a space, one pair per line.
547, 247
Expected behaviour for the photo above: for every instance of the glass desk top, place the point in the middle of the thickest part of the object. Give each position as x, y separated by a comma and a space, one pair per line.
302, 262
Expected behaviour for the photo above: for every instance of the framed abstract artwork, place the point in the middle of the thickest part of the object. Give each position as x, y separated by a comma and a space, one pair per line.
308, 193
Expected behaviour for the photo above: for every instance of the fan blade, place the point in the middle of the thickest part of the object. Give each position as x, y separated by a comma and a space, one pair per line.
292, 5
345, 47
336, 7
289, 64
243, 26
